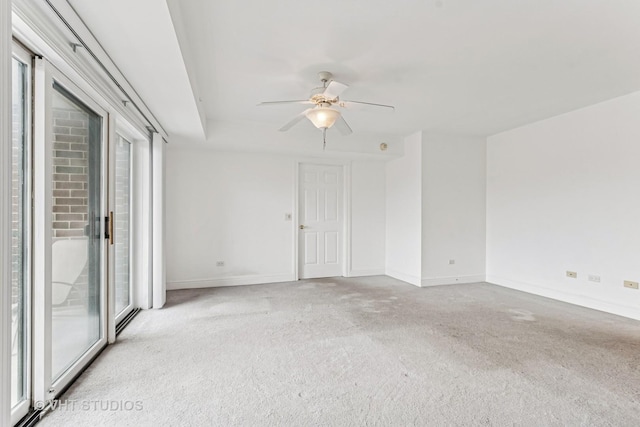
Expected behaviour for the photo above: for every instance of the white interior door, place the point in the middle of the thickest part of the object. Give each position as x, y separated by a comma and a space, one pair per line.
320, 231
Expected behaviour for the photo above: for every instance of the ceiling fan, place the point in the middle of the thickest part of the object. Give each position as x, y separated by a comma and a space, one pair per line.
326, 102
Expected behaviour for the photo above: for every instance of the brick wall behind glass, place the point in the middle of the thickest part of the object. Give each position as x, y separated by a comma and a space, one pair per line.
16, 204
123, 192
70, 175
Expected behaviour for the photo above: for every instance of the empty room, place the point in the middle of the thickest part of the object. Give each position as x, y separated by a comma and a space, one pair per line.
345, 213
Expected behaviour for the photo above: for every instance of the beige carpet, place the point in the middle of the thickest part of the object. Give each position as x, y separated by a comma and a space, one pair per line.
365, 351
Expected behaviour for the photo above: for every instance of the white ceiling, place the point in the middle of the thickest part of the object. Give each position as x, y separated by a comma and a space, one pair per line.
140, 38
449, 66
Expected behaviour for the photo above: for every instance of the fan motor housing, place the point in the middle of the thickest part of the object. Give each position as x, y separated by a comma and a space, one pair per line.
325, 76
318, 97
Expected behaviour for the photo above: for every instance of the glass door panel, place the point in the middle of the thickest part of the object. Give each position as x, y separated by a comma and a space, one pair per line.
76, 230
20, 234
122, 227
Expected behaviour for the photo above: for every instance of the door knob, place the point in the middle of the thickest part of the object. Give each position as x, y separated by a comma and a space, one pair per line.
301, 227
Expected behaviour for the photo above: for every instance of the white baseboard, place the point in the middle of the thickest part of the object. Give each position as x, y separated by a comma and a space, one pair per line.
568, 297
414, 280
231, 281
452, 280
362, 273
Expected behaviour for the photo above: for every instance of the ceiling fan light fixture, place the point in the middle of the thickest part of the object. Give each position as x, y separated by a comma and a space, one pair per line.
323, 117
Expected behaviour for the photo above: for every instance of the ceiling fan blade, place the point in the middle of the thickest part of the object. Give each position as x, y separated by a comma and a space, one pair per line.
294, 121
334, 89
305, 101
366, 106
342, 126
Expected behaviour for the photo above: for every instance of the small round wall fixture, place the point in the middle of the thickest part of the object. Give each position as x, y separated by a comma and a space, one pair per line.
383, 146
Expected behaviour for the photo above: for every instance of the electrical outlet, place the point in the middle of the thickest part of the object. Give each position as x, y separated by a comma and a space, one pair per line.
594, 278
572, 274
452, 261
219, 263
631, 285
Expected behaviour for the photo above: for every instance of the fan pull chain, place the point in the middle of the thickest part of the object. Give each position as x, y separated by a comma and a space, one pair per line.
324, 139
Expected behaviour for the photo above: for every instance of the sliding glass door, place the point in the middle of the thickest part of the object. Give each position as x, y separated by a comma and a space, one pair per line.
122, 228
76, 229
68, 233
20, 235
70, 227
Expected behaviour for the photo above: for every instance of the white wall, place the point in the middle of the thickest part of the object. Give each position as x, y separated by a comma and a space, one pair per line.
231, 206
404, 213
158, 183
367, 218
228, 207
453, 209
564, 194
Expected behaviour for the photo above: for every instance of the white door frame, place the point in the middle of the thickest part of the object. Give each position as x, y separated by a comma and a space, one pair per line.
44, 386
27, 57
141, 223
346, 211
119, 135
111, 199
5, 212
